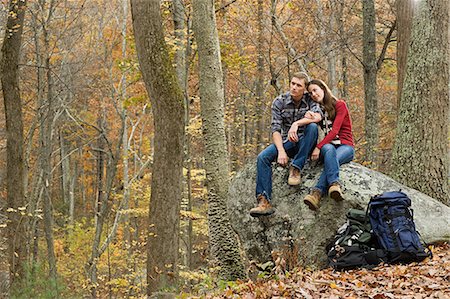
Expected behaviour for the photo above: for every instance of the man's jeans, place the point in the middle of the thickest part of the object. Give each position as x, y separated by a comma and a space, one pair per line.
299, 151
333, 156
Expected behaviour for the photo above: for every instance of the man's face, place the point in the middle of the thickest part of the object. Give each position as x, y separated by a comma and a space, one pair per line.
297, 88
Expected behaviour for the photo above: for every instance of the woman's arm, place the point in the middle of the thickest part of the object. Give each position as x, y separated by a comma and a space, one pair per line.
341, 113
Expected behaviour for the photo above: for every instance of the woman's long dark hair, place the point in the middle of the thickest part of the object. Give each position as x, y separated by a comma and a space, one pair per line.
329, 100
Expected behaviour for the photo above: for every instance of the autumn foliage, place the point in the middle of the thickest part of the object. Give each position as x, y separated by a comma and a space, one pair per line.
429, 279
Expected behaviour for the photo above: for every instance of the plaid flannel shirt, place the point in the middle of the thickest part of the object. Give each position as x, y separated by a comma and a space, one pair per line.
284, 113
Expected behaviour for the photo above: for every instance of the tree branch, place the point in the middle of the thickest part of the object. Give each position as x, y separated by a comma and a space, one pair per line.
386, 44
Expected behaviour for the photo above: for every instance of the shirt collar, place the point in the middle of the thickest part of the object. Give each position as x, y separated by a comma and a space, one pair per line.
291, 100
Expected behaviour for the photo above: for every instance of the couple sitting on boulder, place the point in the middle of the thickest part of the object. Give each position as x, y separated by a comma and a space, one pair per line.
295, 115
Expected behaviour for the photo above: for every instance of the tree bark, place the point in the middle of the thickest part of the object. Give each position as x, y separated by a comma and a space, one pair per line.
168, 110
370, 81
259, 88
420, 155
405, 14
223, 244
343, 42
16, 230
183, 42
46, 114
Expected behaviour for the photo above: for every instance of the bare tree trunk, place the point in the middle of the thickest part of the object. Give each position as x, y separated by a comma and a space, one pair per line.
331, 55
125, 141
47, 116
183, 41
405, 13
101, 148
179, 21
420, 156
104, 194
16, 230
343, 41
167, 103
65, 168
222, 239
259, 92
370, 81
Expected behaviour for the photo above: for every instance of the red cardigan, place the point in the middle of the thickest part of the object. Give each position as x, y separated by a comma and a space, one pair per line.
342, 126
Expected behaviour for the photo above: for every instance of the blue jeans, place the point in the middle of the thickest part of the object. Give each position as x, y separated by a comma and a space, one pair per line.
333, 156
298, 151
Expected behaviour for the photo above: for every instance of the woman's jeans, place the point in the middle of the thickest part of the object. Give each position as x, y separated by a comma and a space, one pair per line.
333, 156
298, 151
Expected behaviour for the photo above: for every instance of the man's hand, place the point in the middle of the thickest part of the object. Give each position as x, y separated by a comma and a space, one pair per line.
282, 158
292, 133
315, 154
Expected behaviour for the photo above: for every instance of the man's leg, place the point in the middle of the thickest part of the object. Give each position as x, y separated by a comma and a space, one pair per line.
264, 182
264, 171
306, 144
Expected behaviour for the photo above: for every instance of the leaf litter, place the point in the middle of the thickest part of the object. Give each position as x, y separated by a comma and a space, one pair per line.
425, 280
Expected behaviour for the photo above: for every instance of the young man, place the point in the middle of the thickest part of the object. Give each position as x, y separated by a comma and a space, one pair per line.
294, 135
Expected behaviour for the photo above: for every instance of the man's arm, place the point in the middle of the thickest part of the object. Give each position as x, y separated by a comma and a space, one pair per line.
278, 141
310, 117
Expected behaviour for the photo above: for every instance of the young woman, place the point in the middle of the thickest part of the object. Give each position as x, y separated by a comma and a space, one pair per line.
336, 148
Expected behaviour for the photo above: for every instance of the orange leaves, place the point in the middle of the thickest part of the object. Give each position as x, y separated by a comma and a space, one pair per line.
429, 279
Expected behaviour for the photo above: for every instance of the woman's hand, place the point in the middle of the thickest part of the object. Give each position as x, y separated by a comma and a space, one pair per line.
309, 114
292, 133
315, 154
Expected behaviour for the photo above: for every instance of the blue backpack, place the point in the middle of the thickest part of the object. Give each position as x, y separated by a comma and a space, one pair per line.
392, 223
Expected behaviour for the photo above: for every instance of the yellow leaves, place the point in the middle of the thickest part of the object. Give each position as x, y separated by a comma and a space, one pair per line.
333, 285
135, 100
190, 215
195, 126
136, 212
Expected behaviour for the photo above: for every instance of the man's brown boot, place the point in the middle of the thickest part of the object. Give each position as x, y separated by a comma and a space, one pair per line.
312, 200
295, 178
335, 192
264, 207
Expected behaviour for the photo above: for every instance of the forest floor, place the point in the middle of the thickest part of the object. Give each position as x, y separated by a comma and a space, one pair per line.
428, 279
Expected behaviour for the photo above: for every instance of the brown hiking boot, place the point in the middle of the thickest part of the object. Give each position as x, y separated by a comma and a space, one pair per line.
264, 207
335, 192
294, 176
312, 200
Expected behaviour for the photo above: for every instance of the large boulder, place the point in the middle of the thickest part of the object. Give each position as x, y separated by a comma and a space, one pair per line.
301, 234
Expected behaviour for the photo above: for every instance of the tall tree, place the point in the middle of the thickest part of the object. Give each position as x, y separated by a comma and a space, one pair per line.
370, 80
222, 240
14, 134
259, 86
182, 34
46, 118
168, 110
420, 156
405, 12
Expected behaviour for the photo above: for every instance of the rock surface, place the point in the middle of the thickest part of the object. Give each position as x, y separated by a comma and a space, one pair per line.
300, 234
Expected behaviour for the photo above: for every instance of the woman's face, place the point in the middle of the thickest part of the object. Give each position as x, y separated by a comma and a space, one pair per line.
316, 93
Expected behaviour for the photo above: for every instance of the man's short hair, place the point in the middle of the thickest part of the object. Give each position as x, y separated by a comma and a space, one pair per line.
300, 75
